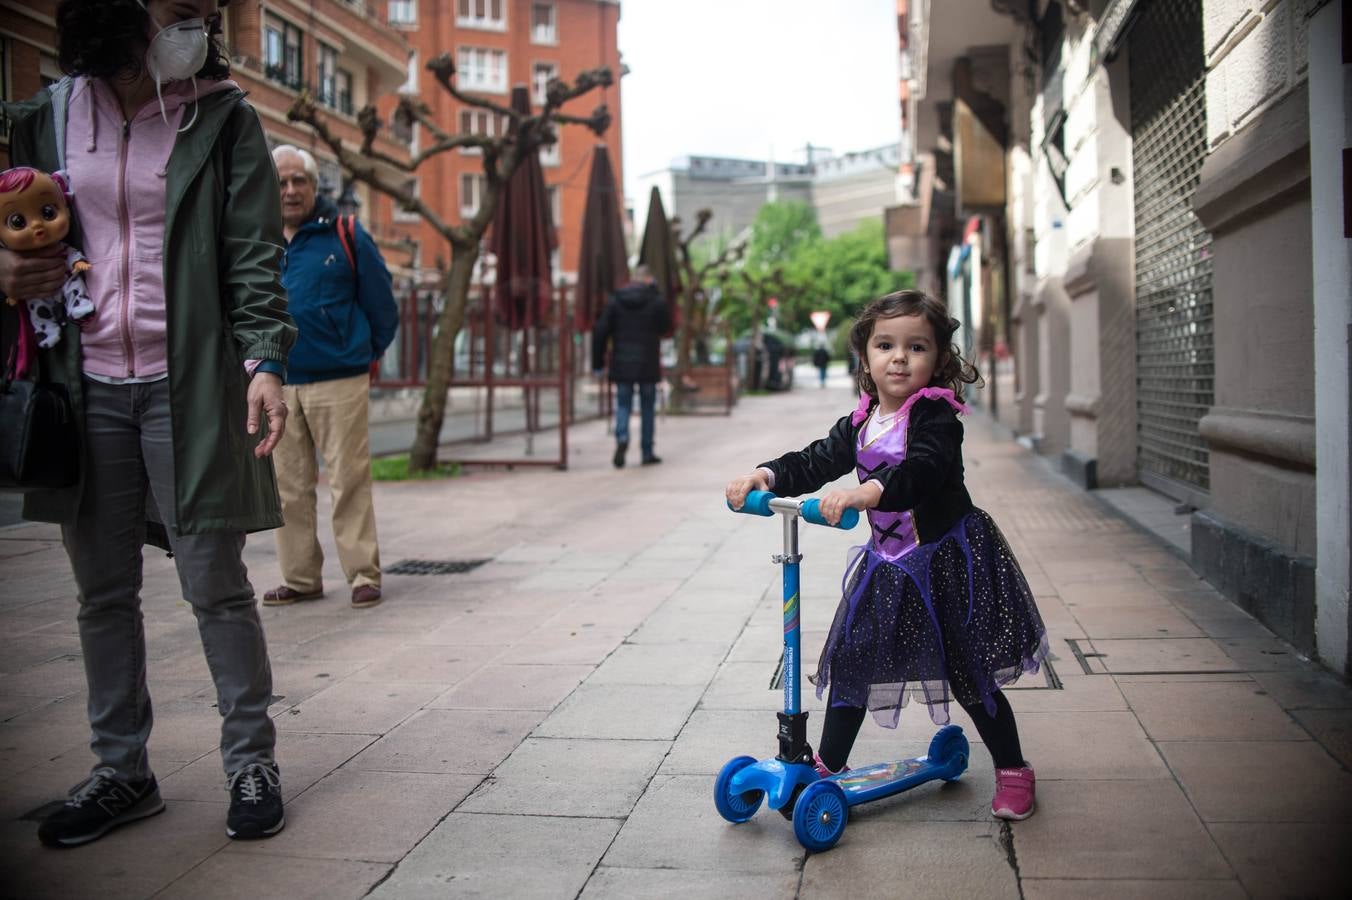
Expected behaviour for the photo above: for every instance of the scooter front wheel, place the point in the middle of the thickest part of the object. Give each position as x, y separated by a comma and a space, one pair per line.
736, 807
949, 748
820, 816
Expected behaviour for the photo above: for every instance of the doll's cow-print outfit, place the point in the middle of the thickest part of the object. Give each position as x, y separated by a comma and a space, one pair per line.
49, 314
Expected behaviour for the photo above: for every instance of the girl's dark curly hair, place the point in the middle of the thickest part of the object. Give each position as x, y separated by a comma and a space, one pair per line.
952, 372
107, 38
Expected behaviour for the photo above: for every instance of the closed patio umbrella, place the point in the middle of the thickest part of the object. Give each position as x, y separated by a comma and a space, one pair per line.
658, 253
522, 239
603, 264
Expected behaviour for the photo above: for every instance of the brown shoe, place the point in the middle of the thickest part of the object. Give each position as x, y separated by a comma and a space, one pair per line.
285, 596
365, 595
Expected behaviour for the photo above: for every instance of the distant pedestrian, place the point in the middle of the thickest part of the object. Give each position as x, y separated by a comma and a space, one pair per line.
821, 358
343, 304
631, 326
936, 607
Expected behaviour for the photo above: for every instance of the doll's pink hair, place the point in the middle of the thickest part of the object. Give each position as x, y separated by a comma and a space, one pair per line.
16, 179
20, 177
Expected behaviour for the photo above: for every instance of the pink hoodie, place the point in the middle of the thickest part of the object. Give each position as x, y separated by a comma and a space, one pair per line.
117, 173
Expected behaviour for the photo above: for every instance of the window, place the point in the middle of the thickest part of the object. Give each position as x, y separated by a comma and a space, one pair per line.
549, 154
555, 205
488, 14
343, 83
471, 194
403, 12
410, 85
482, 69
326, 79
481, 121
404, 215
542, 26
281, 52
540, 75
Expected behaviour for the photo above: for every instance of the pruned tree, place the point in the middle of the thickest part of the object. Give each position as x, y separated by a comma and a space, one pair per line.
501, 155
694, 275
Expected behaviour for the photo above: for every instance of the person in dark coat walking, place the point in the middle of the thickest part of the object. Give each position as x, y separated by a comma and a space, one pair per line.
821, 358
631, 325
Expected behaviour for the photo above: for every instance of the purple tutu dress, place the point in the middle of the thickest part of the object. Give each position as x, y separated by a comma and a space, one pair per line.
949, 619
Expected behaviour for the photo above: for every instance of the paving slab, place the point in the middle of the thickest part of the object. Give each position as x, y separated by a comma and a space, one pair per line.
354, 707
622, 712
481, 856
1152, 832
303, 759
462, 741
1300, 781
615, 883
675, 826
520, 686
551, 776
930, 860
364, 816
686, 663
1126, 889
235, 875
1288, 860
1215, 711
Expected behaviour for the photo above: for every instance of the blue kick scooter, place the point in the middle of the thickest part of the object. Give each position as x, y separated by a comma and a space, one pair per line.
820, 806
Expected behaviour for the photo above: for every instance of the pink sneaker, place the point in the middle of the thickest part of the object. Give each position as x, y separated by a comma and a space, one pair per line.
821, 767
1014, 792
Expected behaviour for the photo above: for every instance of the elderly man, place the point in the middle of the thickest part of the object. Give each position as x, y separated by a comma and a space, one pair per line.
346, 316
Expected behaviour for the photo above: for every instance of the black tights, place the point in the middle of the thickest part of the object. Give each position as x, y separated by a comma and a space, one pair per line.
999, 732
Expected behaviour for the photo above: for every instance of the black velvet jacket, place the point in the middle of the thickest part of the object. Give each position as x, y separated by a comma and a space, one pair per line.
928, 482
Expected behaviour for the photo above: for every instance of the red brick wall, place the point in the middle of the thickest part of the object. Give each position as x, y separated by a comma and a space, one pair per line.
586, 31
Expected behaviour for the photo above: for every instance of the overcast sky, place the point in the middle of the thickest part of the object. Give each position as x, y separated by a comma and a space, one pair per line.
739, 77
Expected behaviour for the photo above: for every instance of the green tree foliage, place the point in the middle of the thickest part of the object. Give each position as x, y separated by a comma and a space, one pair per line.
842, 274
788, 258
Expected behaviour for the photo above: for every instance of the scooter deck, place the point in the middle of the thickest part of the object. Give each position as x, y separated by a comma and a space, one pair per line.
888, 778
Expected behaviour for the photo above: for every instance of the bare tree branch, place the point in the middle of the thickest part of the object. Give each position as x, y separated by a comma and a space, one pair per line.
303, 110
443, 68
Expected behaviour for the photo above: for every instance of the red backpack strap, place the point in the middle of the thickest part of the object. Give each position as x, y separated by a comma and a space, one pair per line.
347, 236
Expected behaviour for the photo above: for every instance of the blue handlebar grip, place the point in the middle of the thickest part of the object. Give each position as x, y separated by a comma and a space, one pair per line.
757, 504
812, 512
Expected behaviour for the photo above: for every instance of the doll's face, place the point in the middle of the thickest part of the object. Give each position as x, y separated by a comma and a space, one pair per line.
35, 216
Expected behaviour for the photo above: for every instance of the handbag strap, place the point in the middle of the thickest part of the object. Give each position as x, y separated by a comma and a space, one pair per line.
9, 342
11, 333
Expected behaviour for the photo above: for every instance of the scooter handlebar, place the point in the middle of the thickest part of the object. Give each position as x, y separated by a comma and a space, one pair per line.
758, 503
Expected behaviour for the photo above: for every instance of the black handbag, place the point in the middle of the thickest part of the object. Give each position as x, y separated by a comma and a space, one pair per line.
39, 438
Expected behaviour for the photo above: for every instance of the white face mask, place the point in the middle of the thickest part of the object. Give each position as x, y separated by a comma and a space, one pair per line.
175, 53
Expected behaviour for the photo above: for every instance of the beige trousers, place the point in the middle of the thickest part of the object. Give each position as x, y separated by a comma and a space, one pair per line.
329, 417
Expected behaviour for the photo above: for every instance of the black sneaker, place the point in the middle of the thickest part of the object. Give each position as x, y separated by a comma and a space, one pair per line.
255, 802
97, 806
621, 447
651, 460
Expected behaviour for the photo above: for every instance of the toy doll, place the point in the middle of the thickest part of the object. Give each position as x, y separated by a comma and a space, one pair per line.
35, 213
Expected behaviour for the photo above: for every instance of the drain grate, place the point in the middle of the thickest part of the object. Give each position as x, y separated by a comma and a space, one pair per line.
434, 566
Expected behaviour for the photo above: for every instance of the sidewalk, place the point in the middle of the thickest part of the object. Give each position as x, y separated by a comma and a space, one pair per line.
549, 724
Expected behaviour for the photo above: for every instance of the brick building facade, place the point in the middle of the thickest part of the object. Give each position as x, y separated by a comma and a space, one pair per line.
349, 53
499, 44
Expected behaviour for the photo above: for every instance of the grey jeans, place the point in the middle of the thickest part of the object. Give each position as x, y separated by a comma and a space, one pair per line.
128, 446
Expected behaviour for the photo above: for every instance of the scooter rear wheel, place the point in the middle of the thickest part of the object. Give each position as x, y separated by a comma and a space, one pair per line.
820, 816
735, 807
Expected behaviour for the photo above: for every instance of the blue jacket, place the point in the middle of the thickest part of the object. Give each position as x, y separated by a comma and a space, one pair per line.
344, 320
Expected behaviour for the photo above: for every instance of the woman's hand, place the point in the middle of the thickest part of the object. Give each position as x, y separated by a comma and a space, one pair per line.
866, 496
37, 273
738, 488
265, 397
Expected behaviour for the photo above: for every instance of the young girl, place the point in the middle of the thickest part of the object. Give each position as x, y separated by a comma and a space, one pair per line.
935, 606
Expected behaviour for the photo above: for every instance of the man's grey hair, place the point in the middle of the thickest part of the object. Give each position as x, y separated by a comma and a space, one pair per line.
642, 272
307, 159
